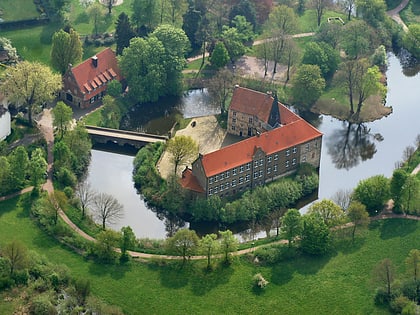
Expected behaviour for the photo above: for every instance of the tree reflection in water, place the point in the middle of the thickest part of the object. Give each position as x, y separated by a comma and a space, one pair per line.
352, 144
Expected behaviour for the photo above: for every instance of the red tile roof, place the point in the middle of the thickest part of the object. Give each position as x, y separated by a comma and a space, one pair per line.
259, 105
189, 181
278, 139
89, 77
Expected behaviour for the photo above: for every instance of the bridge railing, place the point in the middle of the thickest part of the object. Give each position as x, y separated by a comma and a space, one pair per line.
126, 132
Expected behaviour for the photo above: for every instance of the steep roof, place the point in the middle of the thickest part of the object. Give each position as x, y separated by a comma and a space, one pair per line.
92, 74
189, 181
259, 105
278, 139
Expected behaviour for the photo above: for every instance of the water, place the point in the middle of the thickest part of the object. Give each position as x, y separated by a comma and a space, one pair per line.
349, 153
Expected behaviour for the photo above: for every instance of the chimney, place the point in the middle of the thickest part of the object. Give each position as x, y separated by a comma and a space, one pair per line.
95, 61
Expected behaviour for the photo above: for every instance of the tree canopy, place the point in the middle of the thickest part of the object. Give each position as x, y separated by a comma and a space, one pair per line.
183, 150
373, 192
66, 49
308, 85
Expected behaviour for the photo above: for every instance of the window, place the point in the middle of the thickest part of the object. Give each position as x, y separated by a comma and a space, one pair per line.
211, 191
255, 163
227, 185
269, 159
250, 120
233, 120
233, 128
261, 173
222, 187
211, 180
216, 189
294, 150
287, 152
222, 176
255, 175
248, 166
241, 180
227, 174
234, 114
307, 147
241, 169
261, 162
294, 162
268, 170
276, 157
234, 172
287, 163
216, 178
247, 177
233, 182
275, 168
304, 158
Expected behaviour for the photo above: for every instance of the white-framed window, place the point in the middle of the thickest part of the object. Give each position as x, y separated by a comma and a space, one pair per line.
260, 173
287, 152
294, 162
248, 177
233, 182
276, 157
234, 120
227, 174
248, 166
233, 127
216, 178
304, 158
250, 120
216, 189
275, 168
268, 170
222, 176
241, 169
227, 185
269, 159
287, 163
234, 172
234, 114
307, 147
222, 187
294, 150
241, 180
210, 180
255, 174
211, 191
255, 163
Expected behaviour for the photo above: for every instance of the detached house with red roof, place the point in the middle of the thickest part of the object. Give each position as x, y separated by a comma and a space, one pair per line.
278, 142
86, 83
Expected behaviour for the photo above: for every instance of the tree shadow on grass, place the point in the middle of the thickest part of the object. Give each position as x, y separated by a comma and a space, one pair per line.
346, 245
116, 271
48, 32
173, 274
82, 18
205, 280
396, 228
8, 206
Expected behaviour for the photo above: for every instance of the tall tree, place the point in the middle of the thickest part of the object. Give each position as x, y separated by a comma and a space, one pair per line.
96, 14
330, 33
220, 87
16, 253
110, 113
128, 240
246, 9
107, 209
384, 274
5, 176
220, 56
349, 6
320, 6
358, 39
191, 23
145, 15
412, 263
322, 55
183, 150
123, 33
308, 85
176, 9
105, 244
372, 11
373, 192
410, 195
358, 215
291, 225
209, 246
183, 243
291, 56
30, 84
411, 40
38, 167
329, 211
6, 45
315, 238
397, 182
19, 164
228, 244
62, 116
66, 49
86, 195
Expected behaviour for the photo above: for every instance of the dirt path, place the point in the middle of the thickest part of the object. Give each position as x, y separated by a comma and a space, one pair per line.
395, 14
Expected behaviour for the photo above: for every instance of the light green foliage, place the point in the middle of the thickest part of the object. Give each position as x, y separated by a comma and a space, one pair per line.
6, 44
220, 56
411, 40
209, 246
373, 192
244, 28
62, 115
315, 237
104, 246
379, 57
397, 182
410, 195
16, 254
412, 263
228, 244
322, 55
30, 84
19, 164
372, 11
233, 42
110, 113
329, 211
96, 13
384, 275
66, 49
308, 86
357, 214
145, 15
38, 167
5, 175
356, 39
183, 243
114, 88
183, 150
127, 240
291, 225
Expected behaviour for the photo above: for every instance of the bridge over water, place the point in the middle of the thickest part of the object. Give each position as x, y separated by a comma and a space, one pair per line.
123, 137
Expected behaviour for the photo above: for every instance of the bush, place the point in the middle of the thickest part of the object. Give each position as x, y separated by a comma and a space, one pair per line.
41, 305
66, 177
399, 303
259, 281
382, 297
68, 191
373, 192
20, 277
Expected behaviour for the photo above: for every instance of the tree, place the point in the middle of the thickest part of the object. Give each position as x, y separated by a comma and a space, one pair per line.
145, 15
5, 175
19, 167
320, 6
142, 64
246, 9
183, 150
411, 40
85, 194
342, 198
66, 49
220, 87
308, 86
357, 39
228, 244
107, 209
6, 45
373, 192
322, 55
16, 253
114, 88
177, 8
191, 23
208, 246
96, 14
105, 244
123, 33
412, 263
127, 241
30, 84
315, 238
53, 203
110, 113
372, 11
79, 144
62, 115
410, 195
220, 56
384, 274
110, 4
330, 212
396, 185
291, 225
330, 33
183, 243
233, 42
349, 6
38, 167
291, 56
358, 215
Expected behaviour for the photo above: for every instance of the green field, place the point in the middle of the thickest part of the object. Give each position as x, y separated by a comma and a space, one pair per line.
335, 284
15, 10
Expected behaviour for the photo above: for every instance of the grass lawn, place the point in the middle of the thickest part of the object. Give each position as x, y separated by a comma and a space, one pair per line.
334, 284
308, 21
15, 10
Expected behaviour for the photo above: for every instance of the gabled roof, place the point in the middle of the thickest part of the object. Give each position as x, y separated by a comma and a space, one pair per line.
259, 105
91, 78
275, 140
189, 181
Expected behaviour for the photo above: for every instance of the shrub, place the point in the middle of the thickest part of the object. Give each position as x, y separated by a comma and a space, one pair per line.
68, 191
373, 192
399, 303
41, 305
259, 281
20, 277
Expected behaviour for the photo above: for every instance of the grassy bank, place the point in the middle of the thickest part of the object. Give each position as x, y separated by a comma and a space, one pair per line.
335, 284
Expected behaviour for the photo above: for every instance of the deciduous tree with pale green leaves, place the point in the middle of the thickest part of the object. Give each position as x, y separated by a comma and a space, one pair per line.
66, 49
308, 85
330, 212
183, 150
38, 167
209, 246
228, 244
220, 56
183, 243
291, 225
62, 116
357, 214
